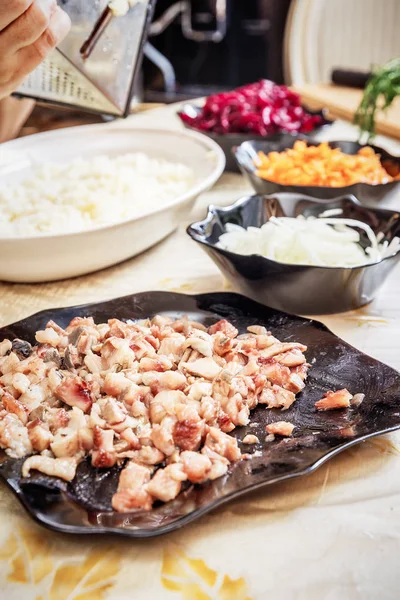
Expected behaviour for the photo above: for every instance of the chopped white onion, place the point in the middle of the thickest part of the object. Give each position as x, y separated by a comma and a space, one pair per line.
325, 241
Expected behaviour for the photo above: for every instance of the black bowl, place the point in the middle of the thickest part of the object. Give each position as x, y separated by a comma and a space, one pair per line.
231, 140
366, 193
297, 289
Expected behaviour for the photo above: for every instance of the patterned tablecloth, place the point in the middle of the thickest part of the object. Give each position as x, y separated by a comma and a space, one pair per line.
334, 534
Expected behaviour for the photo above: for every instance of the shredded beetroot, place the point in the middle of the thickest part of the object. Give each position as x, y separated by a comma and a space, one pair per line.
261, 108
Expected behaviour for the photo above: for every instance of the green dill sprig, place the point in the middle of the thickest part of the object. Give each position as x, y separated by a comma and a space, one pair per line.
381, 89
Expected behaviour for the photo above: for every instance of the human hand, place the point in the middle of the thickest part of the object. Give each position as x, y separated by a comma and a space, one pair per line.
29, 30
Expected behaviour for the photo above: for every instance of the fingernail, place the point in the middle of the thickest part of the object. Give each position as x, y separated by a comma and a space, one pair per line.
48, 7
60, 24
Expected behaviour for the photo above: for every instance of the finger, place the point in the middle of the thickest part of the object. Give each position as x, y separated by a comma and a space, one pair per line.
13, 114
11, 10
60, 24
28, 27
30, 57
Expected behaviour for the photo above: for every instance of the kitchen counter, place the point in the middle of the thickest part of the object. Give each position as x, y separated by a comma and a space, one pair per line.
45, 119
334, 534
342, 103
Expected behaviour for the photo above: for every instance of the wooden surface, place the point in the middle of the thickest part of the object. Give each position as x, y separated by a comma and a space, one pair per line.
45, 119
342, 103
332, 535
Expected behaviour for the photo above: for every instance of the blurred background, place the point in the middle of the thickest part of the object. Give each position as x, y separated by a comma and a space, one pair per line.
199, 47
213, 45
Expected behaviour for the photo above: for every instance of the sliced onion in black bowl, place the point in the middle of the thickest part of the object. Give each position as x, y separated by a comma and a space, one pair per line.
297, 288
246, 153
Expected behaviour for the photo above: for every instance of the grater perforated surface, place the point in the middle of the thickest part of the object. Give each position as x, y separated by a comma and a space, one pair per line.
57, 80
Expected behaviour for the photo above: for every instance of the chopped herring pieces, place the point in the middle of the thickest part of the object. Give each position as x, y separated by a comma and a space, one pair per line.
14, 437
74, 392
164, 486
5, 347
64, 468
15, 407
103, 453
39, 435
157, 397
334, 400
227, 328
357, 399
284, 428
48, 336
222, 444
196, 466
132, 493
250, 439
206, 368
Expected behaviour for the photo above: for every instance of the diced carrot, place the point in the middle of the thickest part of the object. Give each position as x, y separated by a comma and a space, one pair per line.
322, 166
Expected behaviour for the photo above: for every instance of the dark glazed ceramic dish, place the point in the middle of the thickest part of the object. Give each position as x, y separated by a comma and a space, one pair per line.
294, 288
83, 506
231, 140
364, 192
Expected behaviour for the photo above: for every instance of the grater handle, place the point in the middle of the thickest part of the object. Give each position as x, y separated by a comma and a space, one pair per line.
100, 26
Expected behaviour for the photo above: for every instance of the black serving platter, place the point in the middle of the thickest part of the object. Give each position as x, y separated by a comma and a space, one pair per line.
83, 506
229, 141
366, 193
299, 289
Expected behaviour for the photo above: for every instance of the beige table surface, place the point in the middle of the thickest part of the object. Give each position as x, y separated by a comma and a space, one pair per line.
342, 103
334, 534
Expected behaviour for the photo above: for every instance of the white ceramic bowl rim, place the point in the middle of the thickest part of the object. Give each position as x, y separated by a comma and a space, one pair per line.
209, 144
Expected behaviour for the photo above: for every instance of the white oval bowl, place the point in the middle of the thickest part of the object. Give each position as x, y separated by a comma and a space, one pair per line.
53, 256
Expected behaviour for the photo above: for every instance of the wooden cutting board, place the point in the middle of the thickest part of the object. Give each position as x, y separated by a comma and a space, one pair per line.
342, 103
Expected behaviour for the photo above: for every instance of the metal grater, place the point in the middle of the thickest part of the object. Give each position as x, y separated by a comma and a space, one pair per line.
104, 82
